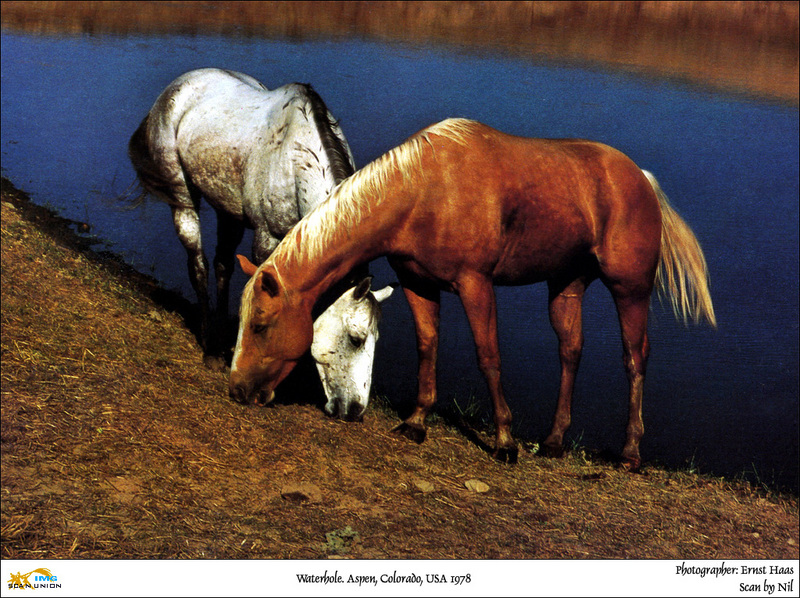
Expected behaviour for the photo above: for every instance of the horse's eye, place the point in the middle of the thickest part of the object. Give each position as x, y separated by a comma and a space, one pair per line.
259, 328
356, 341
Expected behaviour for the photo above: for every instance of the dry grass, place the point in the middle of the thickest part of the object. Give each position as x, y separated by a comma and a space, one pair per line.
118, 443
750, 46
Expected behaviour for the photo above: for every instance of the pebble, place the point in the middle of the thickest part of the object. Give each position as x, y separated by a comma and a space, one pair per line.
424, 486
476, 486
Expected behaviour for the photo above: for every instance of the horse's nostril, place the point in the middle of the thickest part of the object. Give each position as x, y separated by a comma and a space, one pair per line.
264, 397
354, 413
238, 393
336, 408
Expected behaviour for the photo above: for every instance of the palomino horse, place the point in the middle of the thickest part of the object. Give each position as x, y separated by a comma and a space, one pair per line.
262, 159
462, 207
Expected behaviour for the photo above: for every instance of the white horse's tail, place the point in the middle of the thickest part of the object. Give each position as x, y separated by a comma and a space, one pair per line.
682, 271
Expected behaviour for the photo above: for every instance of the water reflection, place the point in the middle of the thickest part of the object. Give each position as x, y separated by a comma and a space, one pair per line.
749, 46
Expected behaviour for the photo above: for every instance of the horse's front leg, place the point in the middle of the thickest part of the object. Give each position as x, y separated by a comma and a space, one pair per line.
230, 231
425, 309
264, 243
477, 296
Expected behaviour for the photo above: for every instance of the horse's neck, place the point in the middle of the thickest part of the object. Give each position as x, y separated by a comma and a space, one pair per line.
311, 190
314, 172
358, 241
287, 157
311, 279
314, 145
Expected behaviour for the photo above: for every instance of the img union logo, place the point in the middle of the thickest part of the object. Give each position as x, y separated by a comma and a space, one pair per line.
42, 578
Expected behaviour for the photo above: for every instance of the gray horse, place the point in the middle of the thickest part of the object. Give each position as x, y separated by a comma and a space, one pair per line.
262, 159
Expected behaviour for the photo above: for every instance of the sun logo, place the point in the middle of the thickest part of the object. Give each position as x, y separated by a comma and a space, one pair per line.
19, 581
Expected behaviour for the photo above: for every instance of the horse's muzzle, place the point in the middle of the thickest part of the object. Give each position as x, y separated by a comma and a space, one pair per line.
347, 410
241, 393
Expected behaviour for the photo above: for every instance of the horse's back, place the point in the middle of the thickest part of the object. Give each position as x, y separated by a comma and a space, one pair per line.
524, 210
217, 126
211, 102
577, 205
154, 147
200, 86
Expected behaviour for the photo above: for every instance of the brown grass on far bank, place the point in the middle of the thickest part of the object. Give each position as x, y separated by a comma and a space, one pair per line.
118, 443
749, 47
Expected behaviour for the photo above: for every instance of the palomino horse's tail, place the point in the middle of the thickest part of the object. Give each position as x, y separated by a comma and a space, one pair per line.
682, 272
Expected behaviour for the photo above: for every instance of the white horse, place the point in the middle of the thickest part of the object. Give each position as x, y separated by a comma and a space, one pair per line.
262, 159
344, 348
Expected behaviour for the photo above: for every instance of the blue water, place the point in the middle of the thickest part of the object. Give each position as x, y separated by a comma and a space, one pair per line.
725, 401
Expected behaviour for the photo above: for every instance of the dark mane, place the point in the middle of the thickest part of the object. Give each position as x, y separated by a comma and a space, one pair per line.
337, 151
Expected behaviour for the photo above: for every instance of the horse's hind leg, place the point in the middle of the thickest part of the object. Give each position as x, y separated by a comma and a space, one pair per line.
187, 225
424, 303
566, 319
478, 298
155, 158
633, 310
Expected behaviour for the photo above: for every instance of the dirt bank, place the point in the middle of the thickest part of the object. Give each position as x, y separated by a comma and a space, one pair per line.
749, 47
118, 443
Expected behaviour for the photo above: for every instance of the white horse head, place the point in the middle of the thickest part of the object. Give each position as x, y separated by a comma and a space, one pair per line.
344, 347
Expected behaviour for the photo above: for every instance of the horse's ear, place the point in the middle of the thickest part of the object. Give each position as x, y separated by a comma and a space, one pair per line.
268, 282
247, 266
384, 293
362, 288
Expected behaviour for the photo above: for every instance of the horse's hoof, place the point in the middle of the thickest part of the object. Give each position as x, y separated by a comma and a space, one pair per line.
214, 362
506, 455
631, 464
552, 451
410, 431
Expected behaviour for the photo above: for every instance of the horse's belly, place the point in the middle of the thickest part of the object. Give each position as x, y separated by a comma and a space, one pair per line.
532, 268
542, 243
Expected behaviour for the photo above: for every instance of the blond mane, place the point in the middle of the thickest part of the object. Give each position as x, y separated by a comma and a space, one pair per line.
353, 198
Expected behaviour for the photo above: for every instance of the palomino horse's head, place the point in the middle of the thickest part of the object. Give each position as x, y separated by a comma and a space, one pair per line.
344, 348
275, 330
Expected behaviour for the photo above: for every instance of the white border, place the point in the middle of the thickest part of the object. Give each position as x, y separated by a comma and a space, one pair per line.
614, 578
